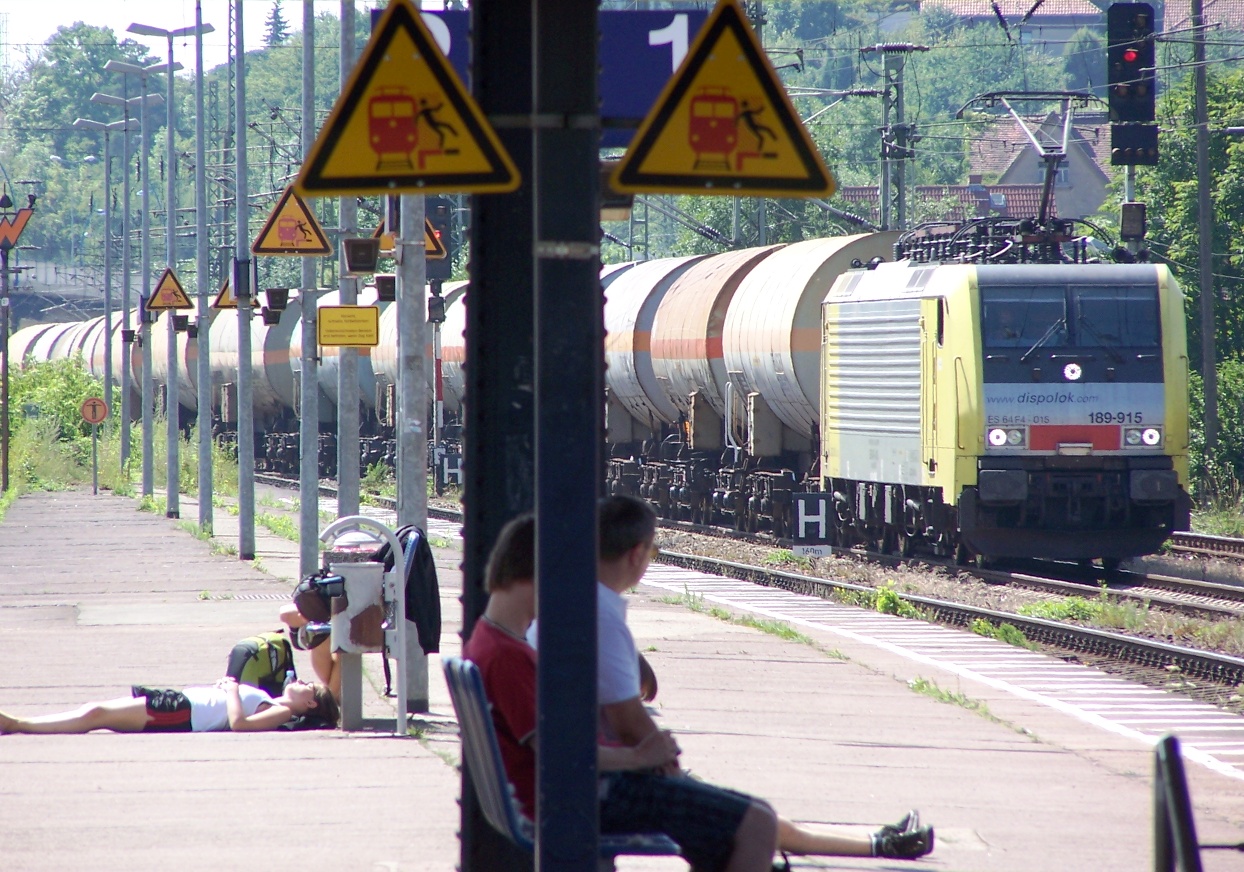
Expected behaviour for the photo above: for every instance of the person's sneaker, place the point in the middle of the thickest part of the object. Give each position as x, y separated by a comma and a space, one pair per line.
906, 824
902, 845
312, 635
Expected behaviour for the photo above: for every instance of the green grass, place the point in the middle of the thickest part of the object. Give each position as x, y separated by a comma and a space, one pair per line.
928, 687
785, 558
1004, 632
280, 525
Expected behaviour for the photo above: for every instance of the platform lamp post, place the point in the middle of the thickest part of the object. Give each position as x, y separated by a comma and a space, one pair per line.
127, 332
148, 389
12, 223
172, 404
106, 128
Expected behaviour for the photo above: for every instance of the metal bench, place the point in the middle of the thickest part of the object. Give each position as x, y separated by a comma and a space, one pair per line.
482, 755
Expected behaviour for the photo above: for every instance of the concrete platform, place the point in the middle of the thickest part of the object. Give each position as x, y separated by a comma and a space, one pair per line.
95, 596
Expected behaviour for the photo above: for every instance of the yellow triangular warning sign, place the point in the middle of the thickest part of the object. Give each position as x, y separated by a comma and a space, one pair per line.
432, 245
388, 241
404, 122
169, 294
292, 230
226, 300
724, 125
432, 242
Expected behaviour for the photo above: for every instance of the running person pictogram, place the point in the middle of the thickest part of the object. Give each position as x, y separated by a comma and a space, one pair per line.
426, 113
748, 116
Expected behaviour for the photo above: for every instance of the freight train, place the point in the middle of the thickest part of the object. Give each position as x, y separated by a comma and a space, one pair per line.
985, 391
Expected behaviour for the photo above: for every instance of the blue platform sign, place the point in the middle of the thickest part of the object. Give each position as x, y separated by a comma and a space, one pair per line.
639, 51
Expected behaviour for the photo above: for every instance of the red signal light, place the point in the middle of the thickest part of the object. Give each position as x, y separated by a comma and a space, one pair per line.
1131, 55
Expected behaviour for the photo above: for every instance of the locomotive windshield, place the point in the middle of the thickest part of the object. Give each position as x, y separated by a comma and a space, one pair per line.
1083, 316
1018, 317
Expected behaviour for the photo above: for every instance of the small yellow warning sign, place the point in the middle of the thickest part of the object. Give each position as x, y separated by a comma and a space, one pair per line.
348, 325
724, 125
226, 300
432, 245
292, 230
388, 241
169, 293
432, 242
404, 122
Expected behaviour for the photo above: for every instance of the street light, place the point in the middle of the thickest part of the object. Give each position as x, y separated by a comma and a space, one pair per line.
106, 129
172, 400
127, 333
148, 390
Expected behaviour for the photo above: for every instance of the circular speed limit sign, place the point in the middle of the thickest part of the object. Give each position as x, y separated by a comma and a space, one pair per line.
94, 410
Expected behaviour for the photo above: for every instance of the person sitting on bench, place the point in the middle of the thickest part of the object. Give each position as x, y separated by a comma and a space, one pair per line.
642, 788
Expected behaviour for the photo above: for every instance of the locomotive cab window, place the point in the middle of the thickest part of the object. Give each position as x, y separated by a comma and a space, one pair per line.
1016, 317
1108, 317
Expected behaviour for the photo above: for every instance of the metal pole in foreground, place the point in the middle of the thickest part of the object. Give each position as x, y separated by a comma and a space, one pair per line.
202, 280
412, 442
347, 360
308, 383
569, 383
242, 291
4, 373
172, 398
144, 319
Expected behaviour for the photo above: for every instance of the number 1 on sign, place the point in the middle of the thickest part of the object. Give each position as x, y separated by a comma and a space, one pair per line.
674, 35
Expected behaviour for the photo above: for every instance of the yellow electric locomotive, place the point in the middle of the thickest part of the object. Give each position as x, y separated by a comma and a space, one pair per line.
1003, 409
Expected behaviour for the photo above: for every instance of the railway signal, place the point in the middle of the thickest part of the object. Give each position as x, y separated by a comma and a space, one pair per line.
1132, 83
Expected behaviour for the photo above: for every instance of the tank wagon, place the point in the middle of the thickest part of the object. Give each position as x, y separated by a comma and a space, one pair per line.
988, 392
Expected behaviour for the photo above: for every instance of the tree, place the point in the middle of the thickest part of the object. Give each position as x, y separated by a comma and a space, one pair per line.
277, 31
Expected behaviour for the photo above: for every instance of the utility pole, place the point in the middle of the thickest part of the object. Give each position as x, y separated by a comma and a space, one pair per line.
347, 360
308, 383
242, 292
202, 266
172, 392
1205, 233
897, 136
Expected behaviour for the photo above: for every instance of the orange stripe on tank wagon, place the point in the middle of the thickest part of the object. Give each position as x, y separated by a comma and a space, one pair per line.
684, 349
1047, 437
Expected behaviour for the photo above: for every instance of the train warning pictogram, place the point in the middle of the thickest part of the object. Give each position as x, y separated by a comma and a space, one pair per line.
404, 122
292, 229
724, 125
169, 294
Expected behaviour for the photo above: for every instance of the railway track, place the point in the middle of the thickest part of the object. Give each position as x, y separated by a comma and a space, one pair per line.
1204, 545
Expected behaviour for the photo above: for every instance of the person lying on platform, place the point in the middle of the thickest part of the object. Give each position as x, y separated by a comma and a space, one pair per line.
224, 706
642, 787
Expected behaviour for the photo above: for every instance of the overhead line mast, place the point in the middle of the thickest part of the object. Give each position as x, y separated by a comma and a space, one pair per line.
897, 136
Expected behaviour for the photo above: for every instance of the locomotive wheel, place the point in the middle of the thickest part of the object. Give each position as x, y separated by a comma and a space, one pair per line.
1111, 565
963, 555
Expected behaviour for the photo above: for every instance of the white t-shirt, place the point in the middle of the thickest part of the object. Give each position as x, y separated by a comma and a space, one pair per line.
209, 710
617, 658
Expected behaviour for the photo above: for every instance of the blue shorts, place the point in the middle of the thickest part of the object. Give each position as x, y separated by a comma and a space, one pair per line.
700, 817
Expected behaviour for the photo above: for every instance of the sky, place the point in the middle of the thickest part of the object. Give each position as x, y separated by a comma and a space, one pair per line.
29, 23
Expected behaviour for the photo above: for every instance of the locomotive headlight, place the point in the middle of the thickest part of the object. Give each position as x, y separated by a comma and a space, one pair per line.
1137, 437
997, 437
1072, 372
1014, 437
